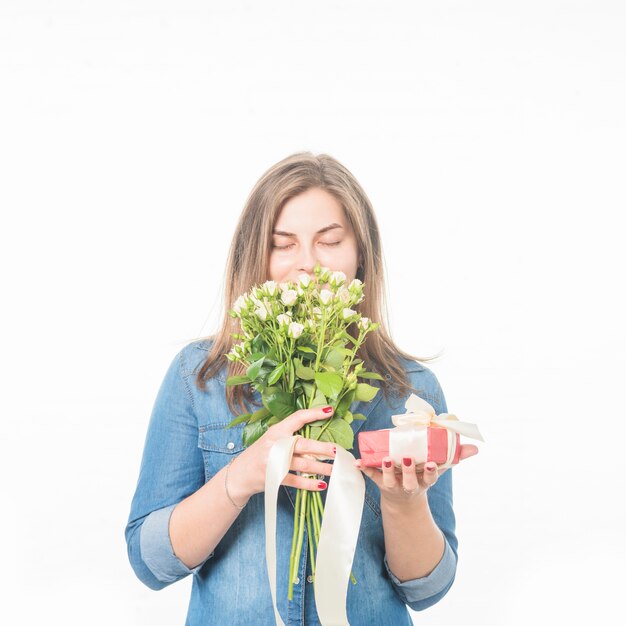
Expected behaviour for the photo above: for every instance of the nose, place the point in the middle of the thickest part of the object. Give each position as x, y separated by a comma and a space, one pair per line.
306, 260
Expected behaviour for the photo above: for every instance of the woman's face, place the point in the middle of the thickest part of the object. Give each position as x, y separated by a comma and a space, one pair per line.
310, 229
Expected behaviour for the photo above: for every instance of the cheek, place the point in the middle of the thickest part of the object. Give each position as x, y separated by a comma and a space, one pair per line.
278, 267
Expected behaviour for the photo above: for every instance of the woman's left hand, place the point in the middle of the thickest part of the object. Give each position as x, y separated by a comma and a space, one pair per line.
410, 482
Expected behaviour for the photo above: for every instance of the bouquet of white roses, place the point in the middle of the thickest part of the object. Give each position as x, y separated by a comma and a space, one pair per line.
298, 354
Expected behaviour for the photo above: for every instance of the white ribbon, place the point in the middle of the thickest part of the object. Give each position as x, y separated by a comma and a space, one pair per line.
409, 438
338, 534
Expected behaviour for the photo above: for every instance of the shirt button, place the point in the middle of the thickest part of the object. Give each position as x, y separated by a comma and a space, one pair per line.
230, 445
309, 579
296, 581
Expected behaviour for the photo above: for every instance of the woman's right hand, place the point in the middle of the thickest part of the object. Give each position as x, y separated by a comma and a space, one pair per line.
246, 475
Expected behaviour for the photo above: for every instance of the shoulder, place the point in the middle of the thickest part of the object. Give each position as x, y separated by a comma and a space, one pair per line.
194, 354
425, 382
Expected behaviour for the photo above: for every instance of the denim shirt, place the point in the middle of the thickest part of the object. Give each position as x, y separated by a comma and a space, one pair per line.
187, 443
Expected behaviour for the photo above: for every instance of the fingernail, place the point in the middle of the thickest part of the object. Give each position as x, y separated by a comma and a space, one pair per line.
407, 461
327, 409
321, 485
334, 450
431, 468
387, 464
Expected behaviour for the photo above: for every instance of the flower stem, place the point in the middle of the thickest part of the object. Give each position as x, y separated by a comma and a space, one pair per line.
296, 516
299, 540
311, 535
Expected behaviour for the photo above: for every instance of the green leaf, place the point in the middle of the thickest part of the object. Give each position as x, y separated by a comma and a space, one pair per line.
306, 349
358, 416
308, 389
276, 374
254, 369
237, 380
258, 415
252, 432
348, 417
344, 351
334, 358
345, 402
337, 431
239, 420
370, 375
304, 372
329, 383
319, 400
280, 403
273, 420
301, 402
365, 392
258, 344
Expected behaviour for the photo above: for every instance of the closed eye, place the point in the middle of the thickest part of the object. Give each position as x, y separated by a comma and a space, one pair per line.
324, 243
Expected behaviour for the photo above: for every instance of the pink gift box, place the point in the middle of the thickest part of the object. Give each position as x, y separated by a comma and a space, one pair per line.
374, 446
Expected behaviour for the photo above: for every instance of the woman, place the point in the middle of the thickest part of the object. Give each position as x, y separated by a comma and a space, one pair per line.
198, 507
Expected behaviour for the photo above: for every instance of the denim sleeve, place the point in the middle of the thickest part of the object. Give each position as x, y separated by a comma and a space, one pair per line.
420, 593
171, 469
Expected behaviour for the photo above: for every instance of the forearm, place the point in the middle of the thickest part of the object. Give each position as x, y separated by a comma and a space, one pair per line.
200, 521
414, 544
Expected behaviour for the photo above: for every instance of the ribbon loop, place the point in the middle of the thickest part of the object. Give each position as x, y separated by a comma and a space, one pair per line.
421, 413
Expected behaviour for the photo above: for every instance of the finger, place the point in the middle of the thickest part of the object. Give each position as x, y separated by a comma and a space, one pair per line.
389, 475
431, 474
301, 482
409, 477
309, 466
324, 449
370, 472
298, 419
467, 450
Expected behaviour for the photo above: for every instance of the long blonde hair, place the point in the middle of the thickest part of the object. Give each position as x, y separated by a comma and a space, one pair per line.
248, 264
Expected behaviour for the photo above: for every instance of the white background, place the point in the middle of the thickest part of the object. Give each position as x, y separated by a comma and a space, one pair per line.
489, 136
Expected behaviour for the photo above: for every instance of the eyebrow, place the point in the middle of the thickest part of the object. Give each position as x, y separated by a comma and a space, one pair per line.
319, 232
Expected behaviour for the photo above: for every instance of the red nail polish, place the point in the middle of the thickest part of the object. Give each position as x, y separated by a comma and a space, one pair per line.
431, 468
321, 485
327, 409
334, 450
387, 464
407, 461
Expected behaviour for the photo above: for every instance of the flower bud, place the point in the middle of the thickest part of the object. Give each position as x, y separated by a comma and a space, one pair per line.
289, 297
347, 313
326, 296
295, 330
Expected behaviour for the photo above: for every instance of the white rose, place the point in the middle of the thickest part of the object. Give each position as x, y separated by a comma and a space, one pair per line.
240, 303
289, 297
304, 280
337, 278
355, 284
364, 322
261, 312
283, 319
270, 287
295, 329
348, 313
317, 311
343, 294
326, 296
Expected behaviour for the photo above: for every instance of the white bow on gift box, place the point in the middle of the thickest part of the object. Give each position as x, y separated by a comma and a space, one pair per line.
409, 438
